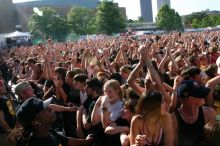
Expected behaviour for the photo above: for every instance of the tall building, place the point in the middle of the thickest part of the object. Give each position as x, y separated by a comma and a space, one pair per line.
160, 4
146, 10
7, 15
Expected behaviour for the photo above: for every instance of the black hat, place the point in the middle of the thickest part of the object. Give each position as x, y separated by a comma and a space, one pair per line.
29, 109
191, 88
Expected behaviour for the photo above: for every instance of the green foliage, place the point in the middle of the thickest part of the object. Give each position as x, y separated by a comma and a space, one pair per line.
140, 19
188, 20
130, 21
202, 20
81, 20
50, 24
208, 21
108, 18
168, 19
196, 23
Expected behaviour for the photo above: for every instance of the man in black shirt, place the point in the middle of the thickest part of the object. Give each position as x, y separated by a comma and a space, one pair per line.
191, 117
93, 90
36, 117
73, 98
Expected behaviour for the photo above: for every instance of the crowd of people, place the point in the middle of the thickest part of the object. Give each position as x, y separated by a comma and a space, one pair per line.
149, 90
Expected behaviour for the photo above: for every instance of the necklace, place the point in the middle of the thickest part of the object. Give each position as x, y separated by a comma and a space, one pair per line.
192, 118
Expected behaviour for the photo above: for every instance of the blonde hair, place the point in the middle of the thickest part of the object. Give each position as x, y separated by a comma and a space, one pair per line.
115, 85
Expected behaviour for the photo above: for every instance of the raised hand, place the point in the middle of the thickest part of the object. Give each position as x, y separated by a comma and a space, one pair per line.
144, 52
177, 81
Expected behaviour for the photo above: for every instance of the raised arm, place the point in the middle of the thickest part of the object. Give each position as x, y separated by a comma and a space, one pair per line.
155, 76
131, 79
211, 84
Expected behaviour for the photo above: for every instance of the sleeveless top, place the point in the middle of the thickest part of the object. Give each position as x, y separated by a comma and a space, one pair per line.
160, 138
190, 134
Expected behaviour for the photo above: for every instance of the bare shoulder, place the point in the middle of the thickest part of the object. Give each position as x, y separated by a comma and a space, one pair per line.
166, 119
166, 116
209, 113
136, 120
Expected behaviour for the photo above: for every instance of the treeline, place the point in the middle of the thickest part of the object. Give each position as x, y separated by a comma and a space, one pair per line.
106, 18
202, 19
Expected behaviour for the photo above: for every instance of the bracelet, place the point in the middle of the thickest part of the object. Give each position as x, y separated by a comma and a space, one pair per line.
104, 109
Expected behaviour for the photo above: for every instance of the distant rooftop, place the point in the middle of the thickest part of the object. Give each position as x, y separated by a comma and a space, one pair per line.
84, 3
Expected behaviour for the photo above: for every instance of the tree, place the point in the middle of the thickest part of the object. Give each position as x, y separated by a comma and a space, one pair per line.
178, 21
108, 18
168, 19
208, 21
188, 20
140, 19
196, 23
49, 24
81, 20
130, 21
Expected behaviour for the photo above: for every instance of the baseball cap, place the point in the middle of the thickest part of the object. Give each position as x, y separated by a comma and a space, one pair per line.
20, 87
29, 109
191, 88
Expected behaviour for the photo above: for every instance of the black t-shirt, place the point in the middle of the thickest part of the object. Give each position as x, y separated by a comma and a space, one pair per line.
6, 106
58, 123
122, 122
73, 95
69, 118
53, 139
49, 84
89, 105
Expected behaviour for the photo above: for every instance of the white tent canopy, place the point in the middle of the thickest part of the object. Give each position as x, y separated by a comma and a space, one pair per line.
17, 34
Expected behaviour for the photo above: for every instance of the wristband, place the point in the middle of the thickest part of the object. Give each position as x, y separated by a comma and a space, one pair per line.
104, 109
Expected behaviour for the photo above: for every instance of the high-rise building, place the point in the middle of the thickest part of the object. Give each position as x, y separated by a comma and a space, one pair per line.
146, 10
160, 4
7, 15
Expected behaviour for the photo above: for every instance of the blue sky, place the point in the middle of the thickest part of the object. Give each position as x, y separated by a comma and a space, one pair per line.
183, 7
